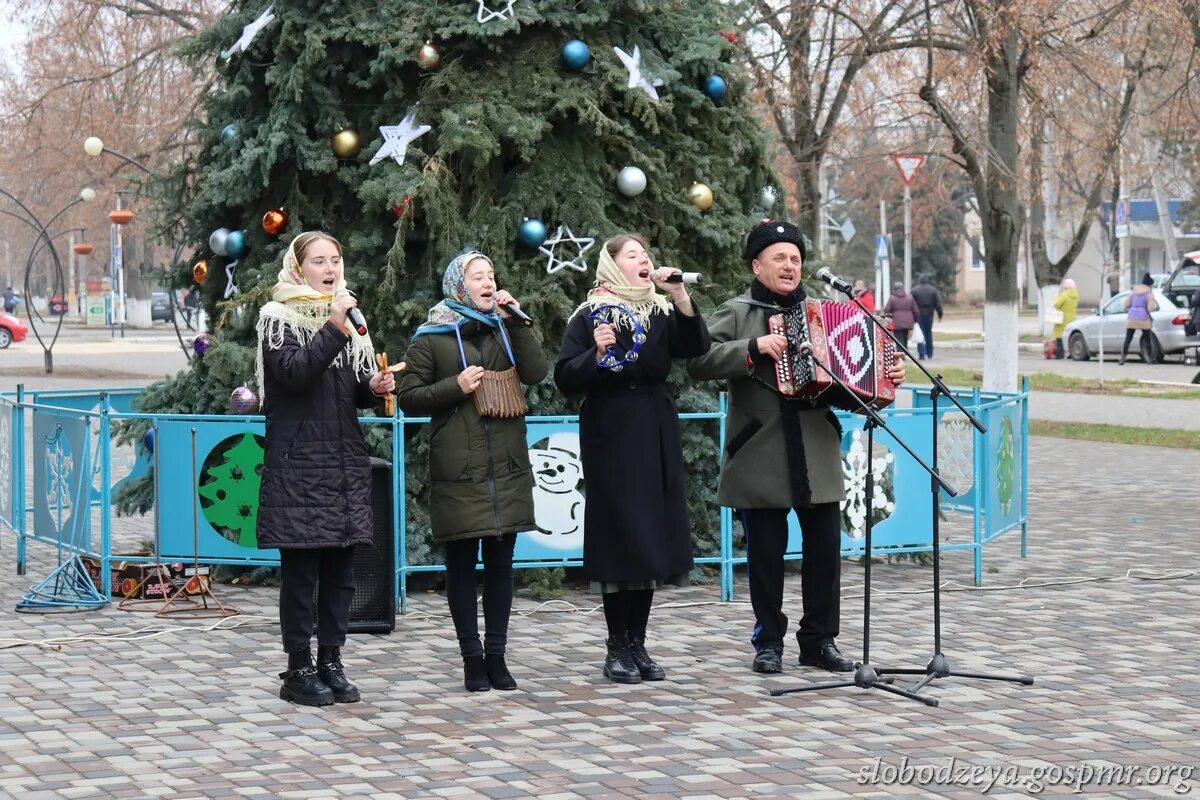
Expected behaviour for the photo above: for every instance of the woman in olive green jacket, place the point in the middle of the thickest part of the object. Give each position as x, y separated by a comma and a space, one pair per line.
466, 365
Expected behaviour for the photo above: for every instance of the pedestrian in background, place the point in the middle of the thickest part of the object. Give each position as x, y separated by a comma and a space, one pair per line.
865, 295
903, 311
928, 301
1139, 304
1067, 305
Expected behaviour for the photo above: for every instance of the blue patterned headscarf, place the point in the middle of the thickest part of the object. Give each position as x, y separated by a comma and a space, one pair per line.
457, 309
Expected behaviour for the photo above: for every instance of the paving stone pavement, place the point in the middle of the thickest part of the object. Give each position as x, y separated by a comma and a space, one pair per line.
184, 710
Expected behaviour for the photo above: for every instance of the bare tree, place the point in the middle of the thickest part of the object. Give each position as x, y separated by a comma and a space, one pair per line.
806, 59
995, 55
109, 68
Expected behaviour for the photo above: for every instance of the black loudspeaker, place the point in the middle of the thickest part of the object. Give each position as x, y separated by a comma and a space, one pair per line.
374, 607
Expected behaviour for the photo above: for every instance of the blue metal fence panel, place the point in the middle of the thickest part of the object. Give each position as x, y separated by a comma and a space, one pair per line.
991, 469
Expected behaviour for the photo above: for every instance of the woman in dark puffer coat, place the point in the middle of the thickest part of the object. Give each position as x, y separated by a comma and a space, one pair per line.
465, 369
314, 505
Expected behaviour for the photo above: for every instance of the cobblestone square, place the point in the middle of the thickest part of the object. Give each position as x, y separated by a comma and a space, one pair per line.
131, 706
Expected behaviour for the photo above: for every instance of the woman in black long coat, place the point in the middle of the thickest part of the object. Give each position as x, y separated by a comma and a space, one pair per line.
314, 372
636, 530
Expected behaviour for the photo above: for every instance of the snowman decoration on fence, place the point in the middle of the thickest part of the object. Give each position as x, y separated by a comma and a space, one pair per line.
558, 498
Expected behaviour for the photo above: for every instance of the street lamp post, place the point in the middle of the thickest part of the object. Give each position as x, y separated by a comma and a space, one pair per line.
94, 146
120, 217
43, 238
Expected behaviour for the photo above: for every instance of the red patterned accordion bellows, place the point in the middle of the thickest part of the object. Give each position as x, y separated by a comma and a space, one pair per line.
847, 342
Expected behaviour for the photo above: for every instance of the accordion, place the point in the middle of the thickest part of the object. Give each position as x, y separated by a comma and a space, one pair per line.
847, 342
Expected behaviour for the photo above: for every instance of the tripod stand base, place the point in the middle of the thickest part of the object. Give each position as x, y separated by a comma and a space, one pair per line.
939, 667
133, 601
198, 605
865, 677
68, 588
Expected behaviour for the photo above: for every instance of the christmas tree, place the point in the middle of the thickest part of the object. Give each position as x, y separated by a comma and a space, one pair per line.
410, 130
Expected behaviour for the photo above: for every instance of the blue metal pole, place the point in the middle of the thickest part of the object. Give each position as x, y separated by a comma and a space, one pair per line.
725, 513
400, 509
980, 488
18, 488
106, 496
1024, 466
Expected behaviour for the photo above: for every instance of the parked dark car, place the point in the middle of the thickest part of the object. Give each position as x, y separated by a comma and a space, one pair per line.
58, 304
160, 307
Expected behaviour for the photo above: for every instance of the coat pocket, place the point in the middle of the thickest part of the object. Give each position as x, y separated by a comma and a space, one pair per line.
449, 449
741, 437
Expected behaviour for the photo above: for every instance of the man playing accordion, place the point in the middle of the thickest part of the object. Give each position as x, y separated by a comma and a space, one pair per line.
782, 453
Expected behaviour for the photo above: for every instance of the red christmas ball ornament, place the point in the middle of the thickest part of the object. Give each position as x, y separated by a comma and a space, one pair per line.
730, 36
275, 221
429, 57
403, 209
200, 272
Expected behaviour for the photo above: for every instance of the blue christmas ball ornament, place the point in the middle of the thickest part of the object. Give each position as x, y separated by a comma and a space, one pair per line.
235, 244
148, 441
576, 55
532, 233
229, 133
714, 87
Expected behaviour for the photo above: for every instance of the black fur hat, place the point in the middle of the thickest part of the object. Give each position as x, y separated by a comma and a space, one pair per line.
769, 232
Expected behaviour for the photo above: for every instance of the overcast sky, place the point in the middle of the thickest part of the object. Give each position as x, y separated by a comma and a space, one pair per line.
12, 33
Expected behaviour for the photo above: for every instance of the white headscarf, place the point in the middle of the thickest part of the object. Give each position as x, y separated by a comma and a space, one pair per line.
301, 310
613, 287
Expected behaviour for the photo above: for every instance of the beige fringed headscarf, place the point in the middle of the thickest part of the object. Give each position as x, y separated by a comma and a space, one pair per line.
613, 287
301, 310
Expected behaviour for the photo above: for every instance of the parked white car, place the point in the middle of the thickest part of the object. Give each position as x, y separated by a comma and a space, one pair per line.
1165, 337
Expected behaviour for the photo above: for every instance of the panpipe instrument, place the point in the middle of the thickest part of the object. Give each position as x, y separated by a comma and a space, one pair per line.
847, 342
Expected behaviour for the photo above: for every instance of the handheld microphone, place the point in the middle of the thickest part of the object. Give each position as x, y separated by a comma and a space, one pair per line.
833, 280
357, 320
518, 313
684, 277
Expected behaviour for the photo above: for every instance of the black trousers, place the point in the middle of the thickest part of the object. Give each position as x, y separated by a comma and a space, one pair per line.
330, 570
820, 573
1129, 332
925, 349
461, 557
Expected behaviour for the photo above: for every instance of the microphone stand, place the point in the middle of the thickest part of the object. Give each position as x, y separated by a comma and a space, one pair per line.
867, 676
938, 665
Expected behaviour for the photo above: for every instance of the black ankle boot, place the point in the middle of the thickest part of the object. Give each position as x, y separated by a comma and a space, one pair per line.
332, 674
497, 672
475, 675
645, 664
618, 665
301, 685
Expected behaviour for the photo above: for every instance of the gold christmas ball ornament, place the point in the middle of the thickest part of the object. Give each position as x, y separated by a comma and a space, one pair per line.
346, 144
200, 272
275, 221
429, 57
700, 196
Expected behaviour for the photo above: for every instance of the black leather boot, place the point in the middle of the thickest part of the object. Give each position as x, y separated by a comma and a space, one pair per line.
475, 676
331, 673
301, 685
645, 664
497, 672
619, 666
